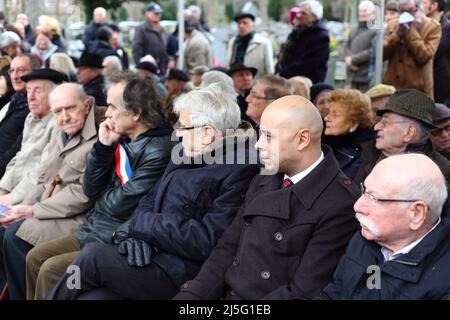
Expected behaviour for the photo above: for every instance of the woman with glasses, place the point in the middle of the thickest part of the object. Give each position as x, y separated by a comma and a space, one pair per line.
347, 125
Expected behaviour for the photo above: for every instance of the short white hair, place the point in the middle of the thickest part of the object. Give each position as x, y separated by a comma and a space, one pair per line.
315, 7
115, 61
223, 80
193, 9
368, 5
429, 186
210, 106
9, 38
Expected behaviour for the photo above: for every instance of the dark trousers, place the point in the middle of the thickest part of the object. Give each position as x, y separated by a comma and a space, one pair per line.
13, 253
105, 274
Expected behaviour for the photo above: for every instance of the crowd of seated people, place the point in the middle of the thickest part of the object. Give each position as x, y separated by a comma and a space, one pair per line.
238, 182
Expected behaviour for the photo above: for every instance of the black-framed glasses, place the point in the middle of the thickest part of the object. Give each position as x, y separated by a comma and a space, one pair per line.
374, 199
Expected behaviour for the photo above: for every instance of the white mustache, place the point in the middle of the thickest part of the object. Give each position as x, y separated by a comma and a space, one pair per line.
367, 224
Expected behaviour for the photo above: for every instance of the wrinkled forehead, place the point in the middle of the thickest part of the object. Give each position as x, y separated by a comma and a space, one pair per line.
20, 62
62, 99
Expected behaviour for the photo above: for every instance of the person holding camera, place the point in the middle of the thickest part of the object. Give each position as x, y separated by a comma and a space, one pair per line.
410, 44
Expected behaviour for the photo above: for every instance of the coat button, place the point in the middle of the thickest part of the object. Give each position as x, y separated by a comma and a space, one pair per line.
347, 182
265, 275
236, 262
185, 285
278, 236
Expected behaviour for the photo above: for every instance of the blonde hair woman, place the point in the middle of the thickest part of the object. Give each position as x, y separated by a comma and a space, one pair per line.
63, 63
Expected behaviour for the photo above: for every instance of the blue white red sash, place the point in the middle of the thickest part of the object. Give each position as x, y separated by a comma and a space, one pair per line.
123, 167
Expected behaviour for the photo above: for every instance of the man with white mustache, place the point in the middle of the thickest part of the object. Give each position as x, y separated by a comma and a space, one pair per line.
402, 249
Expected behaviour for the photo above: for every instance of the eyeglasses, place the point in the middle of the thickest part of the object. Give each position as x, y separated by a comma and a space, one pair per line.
179, 127
254, 96
18, 70
372, 199
385, 122
439, 131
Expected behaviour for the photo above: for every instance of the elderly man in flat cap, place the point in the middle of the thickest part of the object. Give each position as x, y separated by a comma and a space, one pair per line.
379, 95
55, 206
441, 135
22, 171
406, 121
249, 47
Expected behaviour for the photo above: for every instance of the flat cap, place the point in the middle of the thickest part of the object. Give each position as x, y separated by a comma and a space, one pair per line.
441, 114
380, 90
411, 103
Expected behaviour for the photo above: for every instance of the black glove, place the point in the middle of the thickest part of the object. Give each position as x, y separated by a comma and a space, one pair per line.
121, 234
138, 252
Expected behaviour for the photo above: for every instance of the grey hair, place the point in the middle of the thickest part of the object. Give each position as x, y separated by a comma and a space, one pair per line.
223, 80
368, 4
210, 106
417, 2
115, 61
434, 193
140, 96
423, 132
9, 38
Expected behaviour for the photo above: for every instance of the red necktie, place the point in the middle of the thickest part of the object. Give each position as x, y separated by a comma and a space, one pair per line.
287, 183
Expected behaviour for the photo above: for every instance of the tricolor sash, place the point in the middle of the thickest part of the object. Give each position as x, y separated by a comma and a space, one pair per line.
123, 167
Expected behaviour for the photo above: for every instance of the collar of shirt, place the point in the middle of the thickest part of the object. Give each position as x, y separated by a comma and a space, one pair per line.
299, 176
408, 248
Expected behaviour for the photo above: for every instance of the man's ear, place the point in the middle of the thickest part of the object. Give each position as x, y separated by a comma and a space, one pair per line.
208, 135
418, 214
303, 139
410, 134
88, 103
137, 116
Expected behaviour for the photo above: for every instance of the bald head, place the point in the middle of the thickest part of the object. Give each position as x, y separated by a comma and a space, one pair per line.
71, 106
291, 128
412, 176
295, 113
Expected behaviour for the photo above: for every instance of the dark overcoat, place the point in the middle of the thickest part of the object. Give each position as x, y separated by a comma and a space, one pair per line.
285, 243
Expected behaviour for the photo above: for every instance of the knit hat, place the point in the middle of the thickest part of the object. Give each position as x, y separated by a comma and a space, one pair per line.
411, 103
317, 88
380, 90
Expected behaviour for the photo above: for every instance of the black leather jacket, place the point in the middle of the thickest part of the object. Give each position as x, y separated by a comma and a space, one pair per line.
149, 155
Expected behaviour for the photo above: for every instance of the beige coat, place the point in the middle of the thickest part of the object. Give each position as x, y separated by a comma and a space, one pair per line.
259, 54
62, 213
197, 52
411, 58
20, 175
